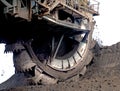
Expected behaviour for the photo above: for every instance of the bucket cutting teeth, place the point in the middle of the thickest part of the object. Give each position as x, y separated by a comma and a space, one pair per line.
40, 78
8, 48
23, 63
26, 69
30, 69
16, 47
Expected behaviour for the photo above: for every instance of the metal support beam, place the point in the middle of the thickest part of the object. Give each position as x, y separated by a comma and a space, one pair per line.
6, 3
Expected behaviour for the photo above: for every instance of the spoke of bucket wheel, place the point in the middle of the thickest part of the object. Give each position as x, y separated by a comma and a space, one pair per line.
53, 43
58, 46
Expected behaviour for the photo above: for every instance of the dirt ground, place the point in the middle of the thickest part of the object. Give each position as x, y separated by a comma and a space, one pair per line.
102, 75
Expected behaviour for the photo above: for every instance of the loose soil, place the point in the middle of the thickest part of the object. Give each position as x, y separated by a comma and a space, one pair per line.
103, 74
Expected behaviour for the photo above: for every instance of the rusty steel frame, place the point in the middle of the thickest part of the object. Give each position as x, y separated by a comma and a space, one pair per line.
26, 8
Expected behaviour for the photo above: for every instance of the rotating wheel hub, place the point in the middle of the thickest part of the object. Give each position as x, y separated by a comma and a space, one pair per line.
67, 54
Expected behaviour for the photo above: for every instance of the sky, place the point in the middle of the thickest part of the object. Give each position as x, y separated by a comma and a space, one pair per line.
6, 64
107, 30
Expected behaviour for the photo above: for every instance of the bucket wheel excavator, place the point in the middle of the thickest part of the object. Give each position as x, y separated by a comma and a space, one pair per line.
50, 39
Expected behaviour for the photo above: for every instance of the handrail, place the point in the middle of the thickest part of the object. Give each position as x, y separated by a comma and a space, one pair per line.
94, 5
91, 5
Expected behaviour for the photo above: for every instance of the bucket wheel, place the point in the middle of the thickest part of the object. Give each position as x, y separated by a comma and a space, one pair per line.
61, 48
62, 55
